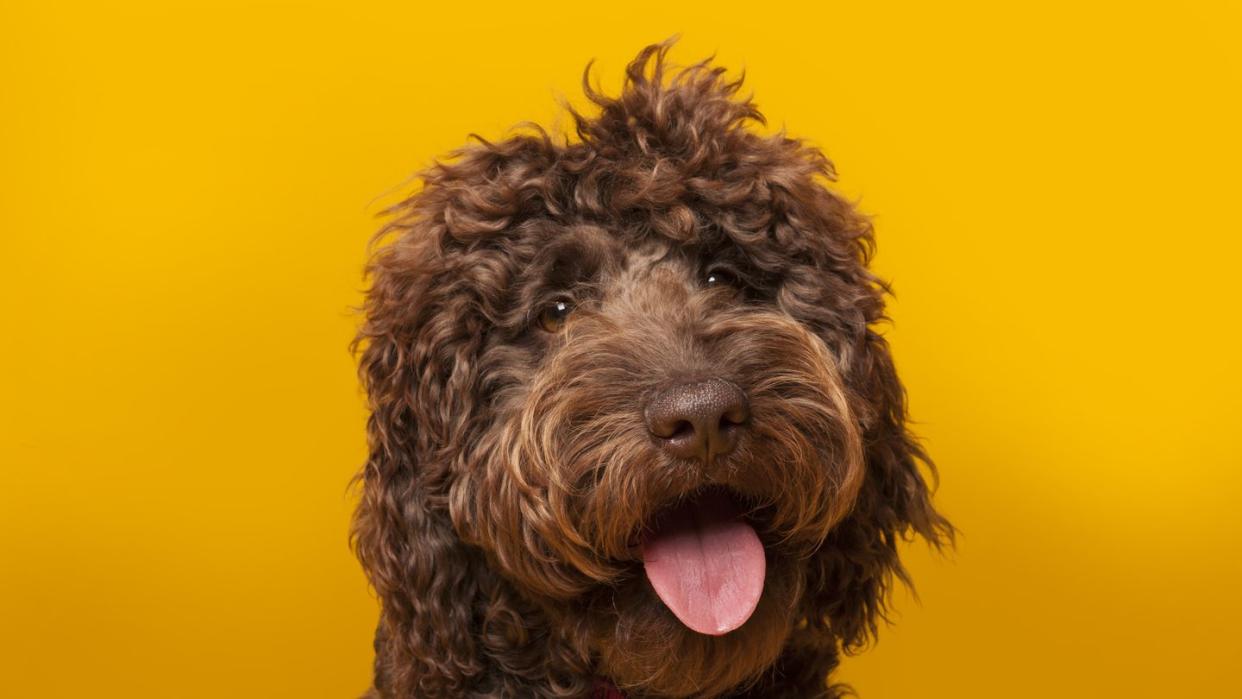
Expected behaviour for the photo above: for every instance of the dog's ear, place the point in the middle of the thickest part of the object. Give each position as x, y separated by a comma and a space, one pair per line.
832, 290
437, 276
858, 561
416, 385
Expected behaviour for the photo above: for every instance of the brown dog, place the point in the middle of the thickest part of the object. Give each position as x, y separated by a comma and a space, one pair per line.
631, 428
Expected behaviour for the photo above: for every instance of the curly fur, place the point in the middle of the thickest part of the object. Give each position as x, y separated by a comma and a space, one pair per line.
509, 467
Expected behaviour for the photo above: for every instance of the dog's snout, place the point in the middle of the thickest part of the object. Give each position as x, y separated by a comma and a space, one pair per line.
698, 419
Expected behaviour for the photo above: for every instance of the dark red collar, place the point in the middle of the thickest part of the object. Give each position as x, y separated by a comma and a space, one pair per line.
606, 690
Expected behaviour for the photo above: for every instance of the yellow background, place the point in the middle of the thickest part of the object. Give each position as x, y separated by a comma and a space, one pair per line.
185, 194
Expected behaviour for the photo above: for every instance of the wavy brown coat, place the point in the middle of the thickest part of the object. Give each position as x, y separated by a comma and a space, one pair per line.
508, 470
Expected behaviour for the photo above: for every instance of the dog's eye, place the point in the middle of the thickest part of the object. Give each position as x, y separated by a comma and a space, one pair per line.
719, 277
554, 314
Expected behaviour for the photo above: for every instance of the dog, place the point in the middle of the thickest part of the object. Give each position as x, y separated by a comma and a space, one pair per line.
632, 430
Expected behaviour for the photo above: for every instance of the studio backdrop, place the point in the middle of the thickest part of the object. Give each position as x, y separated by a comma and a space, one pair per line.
186, 195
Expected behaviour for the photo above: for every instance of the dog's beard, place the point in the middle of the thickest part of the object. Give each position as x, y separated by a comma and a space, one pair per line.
575, 487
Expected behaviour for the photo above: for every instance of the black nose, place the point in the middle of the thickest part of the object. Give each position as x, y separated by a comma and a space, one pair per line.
699, 419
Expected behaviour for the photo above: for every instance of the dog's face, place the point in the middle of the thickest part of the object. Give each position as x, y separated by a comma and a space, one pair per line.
629, 418
666, 443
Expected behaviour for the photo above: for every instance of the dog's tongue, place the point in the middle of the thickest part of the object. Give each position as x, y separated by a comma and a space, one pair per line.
706, 564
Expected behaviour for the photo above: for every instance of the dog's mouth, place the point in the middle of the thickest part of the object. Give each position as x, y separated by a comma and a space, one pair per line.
705, 562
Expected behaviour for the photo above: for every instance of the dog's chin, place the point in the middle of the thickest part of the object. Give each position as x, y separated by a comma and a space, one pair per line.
646, 650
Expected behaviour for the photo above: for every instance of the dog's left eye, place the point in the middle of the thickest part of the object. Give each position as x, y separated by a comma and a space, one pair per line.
719, 277
554, 315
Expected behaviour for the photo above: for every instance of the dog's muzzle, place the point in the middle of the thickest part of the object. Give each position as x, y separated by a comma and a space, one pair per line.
703, 559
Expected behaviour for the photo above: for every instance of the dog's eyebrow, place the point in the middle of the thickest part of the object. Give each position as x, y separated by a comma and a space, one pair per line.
575, 256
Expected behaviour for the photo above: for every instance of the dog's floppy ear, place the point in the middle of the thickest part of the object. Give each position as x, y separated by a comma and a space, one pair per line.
436, 277
417, 376
858, 561
834, 292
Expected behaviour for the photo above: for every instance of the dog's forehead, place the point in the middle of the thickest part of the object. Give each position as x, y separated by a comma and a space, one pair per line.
575, 253
605, 255
653, 265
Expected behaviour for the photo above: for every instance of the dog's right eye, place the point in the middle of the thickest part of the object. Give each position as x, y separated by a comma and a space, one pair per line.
721, 277
554, 315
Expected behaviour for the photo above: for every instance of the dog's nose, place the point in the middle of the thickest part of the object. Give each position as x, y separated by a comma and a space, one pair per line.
699, 419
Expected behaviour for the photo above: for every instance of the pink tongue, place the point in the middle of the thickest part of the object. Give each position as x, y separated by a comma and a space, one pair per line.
706, 564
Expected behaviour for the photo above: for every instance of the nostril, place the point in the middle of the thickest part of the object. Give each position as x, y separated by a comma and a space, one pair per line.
733, 418
682, 430
737, 413
672, 428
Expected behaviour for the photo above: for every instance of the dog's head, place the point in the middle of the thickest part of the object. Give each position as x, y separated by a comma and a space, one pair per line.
629, 415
